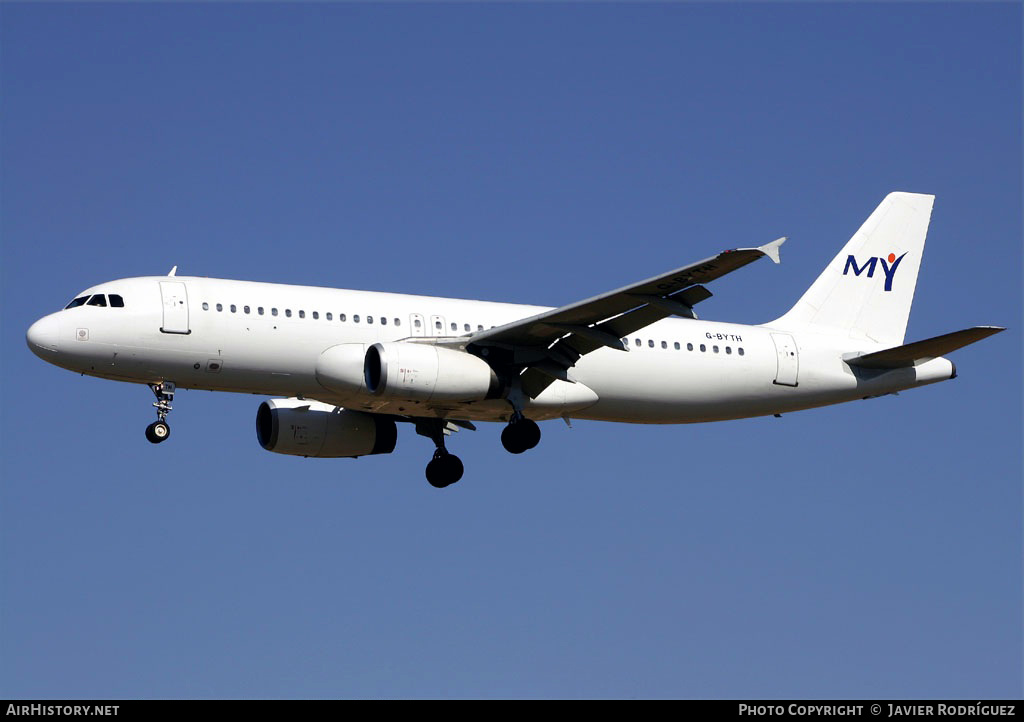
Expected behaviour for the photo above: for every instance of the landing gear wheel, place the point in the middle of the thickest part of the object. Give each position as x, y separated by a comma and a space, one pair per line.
520, 435
158, 431
444, 469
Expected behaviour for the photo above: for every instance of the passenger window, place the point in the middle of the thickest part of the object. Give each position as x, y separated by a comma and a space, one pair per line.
677, 345
398, 322
355, 318
316, 315
220, 307
116, 301
342, 317
369, 319
689, 347
245, 309
302, 314
715, 349
664, 344
416, 323
703, 348
728, 349
273, 312
465, 327
206, 306
329, 316
740, 350
637, 341
650, 342
288, 312
234, 308
383, 320
455, 326
479, 327
260, 310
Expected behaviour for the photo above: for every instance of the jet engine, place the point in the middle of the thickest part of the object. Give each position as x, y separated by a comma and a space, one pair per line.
311, 428
340, 369
423, 372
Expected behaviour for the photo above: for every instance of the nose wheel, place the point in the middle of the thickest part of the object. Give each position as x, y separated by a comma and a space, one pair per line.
159, 430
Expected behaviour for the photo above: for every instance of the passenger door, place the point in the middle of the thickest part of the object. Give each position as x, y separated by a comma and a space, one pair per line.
175, 300
789, 362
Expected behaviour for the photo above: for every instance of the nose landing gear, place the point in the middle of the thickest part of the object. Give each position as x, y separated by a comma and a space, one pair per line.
159, 430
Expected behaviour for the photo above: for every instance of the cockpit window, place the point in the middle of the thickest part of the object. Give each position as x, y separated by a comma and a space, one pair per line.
98, 300
80, 301
116, 301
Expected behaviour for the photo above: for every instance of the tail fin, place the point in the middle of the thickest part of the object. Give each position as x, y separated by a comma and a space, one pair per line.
866, 291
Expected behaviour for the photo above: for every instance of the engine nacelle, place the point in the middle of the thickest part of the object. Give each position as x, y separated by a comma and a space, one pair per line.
423, 372
340, 369
311, 428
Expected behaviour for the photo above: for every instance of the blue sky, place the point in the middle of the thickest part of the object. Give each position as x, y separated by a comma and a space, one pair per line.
539, 153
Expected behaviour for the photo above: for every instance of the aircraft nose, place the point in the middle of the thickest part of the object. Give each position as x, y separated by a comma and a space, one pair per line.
43, 334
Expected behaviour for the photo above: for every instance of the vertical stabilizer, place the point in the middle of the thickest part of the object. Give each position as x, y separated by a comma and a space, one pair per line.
866, 291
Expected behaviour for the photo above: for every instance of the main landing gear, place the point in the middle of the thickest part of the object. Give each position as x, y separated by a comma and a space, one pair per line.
521, 434
445, 468
159, 430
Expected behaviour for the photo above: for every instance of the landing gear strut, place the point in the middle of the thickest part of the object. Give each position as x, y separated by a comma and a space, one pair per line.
159, 430
445, 468
521, 434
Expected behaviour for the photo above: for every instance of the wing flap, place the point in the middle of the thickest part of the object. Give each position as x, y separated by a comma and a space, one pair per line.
912, 354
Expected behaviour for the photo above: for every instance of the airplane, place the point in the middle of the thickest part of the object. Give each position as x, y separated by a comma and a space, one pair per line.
345, 367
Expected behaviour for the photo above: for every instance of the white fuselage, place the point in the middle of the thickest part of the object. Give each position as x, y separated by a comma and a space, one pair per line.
266, 339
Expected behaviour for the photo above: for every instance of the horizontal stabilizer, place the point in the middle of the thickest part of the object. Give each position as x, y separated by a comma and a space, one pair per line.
912, 354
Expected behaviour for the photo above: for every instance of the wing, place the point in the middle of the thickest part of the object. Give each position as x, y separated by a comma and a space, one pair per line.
545, 346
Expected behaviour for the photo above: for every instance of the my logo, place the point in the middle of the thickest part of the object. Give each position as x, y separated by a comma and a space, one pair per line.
889, 266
